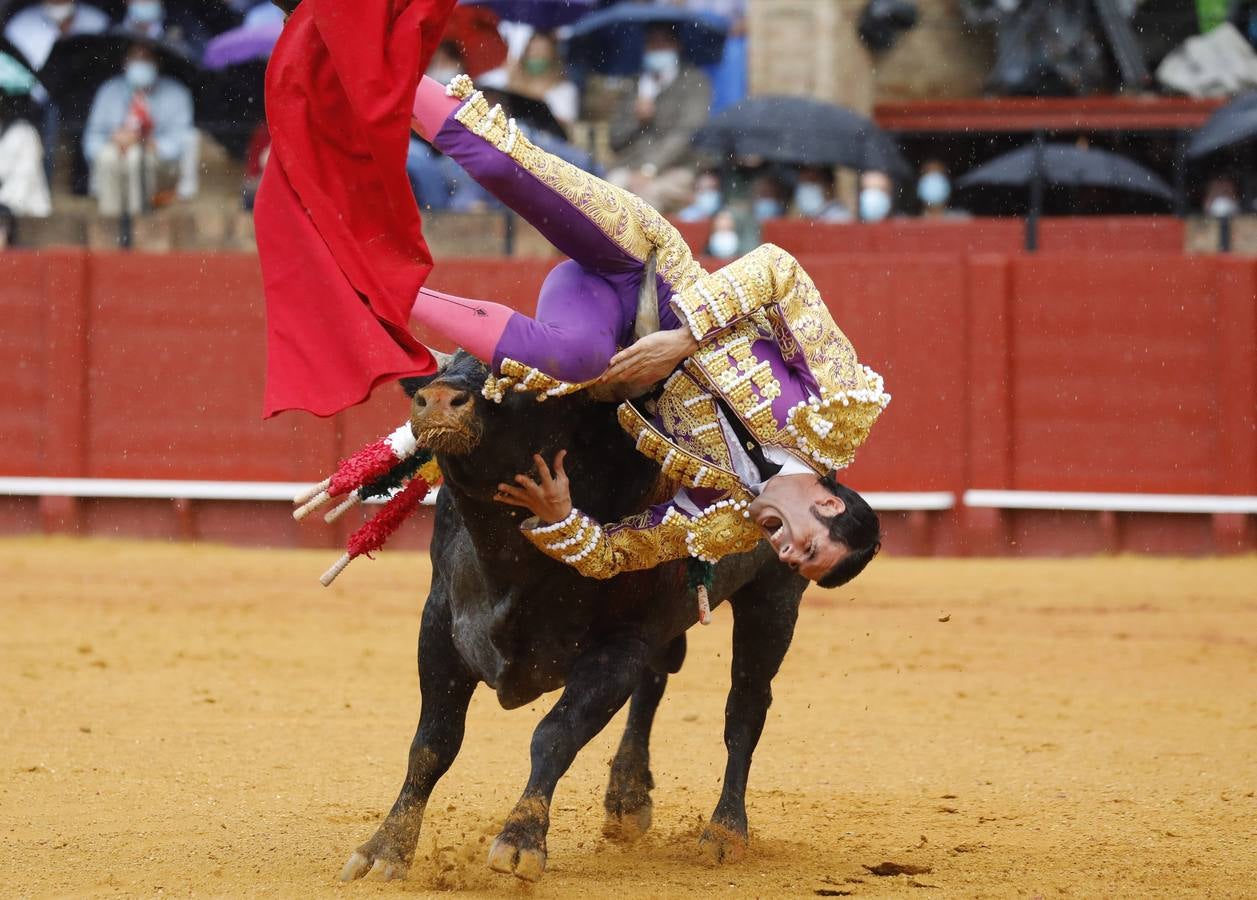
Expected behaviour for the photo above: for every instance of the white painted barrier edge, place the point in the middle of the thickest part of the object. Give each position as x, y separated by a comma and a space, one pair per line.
887, 501
1100, 502
170, 489
159, 489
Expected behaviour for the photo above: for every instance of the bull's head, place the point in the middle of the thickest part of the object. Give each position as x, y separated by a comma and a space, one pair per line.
444, 410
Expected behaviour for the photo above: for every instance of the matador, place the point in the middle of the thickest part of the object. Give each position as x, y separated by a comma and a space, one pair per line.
762, 398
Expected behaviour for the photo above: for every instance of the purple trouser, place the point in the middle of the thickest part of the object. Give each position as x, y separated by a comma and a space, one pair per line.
588, 304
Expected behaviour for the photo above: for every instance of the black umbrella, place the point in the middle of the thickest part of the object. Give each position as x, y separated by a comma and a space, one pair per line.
1233, 124
234, 104
613, 40
1067, 166
801, 131
79, 65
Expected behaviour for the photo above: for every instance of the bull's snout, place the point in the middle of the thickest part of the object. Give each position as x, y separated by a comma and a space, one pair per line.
440, 398
442, 417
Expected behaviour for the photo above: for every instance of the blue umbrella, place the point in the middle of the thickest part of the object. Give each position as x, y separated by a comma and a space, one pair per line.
1235, 123
544, 15
612, 41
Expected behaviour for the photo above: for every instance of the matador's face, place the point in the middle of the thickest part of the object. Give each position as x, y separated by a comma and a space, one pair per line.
793, 512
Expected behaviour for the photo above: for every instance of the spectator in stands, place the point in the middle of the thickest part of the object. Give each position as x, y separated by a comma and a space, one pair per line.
814, 197
1222, 199
23, 182
934, 192
35, 29
724, 242
651, 128
707, 198
876, 196
729, 76
8, 228
769, 195
539, 74
151, 19
139, 136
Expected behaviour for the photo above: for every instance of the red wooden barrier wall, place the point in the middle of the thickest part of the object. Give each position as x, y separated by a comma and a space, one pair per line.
1125, 372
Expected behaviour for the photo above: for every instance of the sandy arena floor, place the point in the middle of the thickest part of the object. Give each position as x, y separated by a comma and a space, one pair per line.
200, 721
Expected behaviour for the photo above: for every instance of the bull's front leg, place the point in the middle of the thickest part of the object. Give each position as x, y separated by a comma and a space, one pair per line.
598, 685
764, 613
445, 687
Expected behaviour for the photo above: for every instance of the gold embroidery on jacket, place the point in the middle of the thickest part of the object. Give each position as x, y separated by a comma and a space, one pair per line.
678, 465
687, 415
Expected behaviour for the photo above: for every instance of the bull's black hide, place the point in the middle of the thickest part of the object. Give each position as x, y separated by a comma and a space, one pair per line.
502, 613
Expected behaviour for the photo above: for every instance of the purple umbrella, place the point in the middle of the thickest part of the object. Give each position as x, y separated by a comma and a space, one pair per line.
241, 45
544, 15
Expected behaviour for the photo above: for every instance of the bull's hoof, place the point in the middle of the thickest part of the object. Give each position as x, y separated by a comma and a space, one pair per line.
721, 845
627, 825
528, 863
373, 868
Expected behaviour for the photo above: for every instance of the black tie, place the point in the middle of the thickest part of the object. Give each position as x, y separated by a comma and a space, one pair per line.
749, 444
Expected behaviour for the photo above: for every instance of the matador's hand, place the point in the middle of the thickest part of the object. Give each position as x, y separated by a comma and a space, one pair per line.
549, 498
652, 358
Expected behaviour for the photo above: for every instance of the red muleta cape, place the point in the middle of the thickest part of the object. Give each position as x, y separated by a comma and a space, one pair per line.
338, 230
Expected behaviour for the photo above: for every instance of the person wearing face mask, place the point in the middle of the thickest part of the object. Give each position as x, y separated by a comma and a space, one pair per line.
180, 25
35, 29
139, 135
875, 196
539, 74
724, 242
934, 192
1221, 199
652, 127
768, 197
707, 199
814, 197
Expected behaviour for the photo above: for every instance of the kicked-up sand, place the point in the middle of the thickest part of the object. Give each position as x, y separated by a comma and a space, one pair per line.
202, 721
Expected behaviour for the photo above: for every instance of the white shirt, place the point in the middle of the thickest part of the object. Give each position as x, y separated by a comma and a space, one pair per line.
748, 473
33, 33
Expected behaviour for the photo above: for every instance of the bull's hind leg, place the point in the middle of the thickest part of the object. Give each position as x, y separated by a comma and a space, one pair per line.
628, 802
764, 613
599, 683
445, 688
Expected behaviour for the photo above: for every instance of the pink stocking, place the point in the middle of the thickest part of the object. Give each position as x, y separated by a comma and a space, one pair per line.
474, 325
432, 107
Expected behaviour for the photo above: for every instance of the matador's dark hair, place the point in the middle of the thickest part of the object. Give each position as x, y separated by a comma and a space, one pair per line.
857, 526
288, 6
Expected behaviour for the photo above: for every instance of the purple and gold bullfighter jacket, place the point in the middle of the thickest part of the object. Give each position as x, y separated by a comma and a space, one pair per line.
768, 347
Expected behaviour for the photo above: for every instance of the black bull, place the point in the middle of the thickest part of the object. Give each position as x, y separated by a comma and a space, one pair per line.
501, 613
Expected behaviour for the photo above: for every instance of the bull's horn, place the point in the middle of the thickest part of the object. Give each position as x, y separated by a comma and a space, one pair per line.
648, 299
